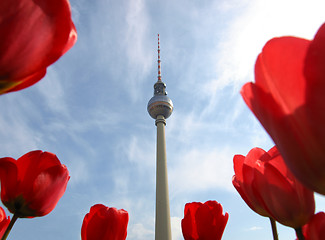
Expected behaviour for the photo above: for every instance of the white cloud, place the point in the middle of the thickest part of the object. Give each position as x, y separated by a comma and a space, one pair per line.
50, 88
176, 228
211, 54
138, 150
320, 202
262, 21
254, 228
139, 56
201, 169
78, 169
138, 231
240, 43
16, 133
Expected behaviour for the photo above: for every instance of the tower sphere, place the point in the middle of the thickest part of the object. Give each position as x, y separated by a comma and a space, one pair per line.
160, 105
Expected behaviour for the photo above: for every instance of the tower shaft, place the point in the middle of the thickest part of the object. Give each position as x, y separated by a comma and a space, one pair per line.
160, 107
162, 227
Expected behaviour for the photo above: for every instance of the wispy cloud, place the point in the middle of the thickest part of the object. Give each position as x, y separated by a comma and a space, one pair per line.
176, 228
243, 39
86, 110
254, 228
200, 169
53, 94
138, 231
139, 56
16, 132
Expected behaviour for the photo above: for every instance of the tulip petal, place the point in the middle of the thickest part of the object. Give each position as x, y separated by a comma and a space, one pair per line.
203, 221
315, 109
315, 229
188, 222
210, 221
104, 223
32, 185
277, 72
314, 66
280, 101
8, 177
315, 75
273, 191
4, 222
34, 35
243, 179
48, 187
9, 85
272, 185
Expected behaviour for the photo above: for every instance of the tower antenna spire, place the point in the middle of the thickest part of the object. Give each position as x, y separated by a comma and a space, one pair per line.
159, 61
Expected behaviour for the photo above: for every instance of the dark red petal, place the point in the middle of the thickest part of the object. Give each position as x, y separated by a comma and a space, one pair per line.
10, 86
291, 134
315, 102
252, 200
204, 220
244, 177
250, 164
84, 227
28, 163
264, 107
119, 225
238, 161
34, 35
244, 166
4, 221
277, 162
315, 229
32, 185
315, 75
210, 221
283, 198
33, 163
188, 223
105, 223
93, 211
220, 224
95, 224
278, 100
47, 189
253, 155
95, 208
279, 71
314, 66
8, 177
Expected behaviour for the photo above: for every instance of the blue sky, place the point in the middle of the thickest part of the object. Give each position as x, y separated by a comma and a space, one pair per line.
90, 109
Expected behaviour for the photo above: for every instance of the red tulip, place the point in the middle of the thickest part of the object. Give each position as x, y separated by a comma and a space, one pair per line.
315, 228
32, 185
243, 180
204, 221
288, 99
34, 34
105, 223
4, 222
270, 189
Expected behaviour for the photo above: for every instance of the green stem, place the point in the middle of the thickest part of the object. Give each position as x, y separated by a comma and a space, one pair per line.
299, 234
274, 230
11, 224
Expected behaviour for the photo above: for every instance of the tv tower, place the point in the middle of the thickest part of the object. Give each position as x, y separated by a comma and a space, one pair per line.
160, 107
